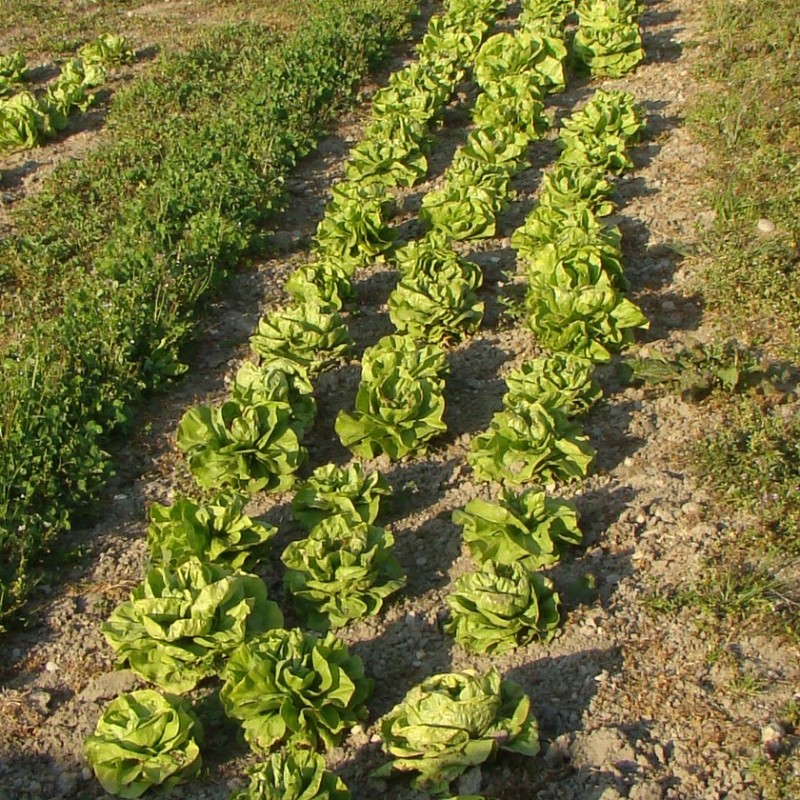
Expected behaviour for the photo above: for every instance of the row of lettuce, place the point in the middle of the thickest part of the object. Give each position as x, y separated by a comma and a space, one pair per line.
109, 260
199, 614
28, 119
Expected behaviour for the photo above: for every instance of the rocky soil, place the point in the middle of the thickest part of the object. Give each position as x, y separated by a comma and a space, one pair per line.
632, 702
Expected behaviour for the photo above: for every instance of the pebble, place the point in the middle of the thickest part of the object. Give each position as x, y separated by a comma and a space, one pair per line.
51, 666
766, 226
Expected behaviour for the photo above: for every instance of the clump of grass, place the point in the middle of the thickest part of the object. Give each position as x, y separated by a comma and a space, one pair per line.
753, 462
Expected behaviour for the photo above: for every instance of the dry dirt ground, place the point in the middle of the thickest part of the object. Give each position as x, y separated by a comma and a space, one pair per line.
632, 702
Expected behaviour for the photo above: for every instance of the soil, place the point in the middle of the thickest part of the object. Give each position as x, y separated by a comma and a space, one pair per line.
632, 702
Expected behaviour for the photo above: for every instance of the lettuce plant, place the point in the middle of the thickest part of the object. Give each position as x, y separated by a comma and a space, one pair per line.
598, 135
354, 225
561, 381
178, 625
70, 90
288, 686
570, 188
454, 721
507, 54
435, 298
528, 528
107, 50
545, 16
13, 69
400, 402
247, 448
530, 442
324, 282
342, 571
512, 103
293, 774
144, 739
608, 40
219, 532
563, 226
461, 211
277, 381
310, 334
575, 261
586, 321
446, 36
23, 122
392, 152
340, 491
502, 607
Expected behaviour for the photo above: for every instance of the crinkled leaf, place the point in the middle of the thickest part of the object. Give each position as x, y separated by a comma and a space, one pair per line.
310, 334
530, 443
453, 721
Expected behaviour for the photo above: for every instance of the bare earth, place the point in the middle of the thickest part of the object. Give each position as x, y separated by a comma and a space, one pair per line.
631, 702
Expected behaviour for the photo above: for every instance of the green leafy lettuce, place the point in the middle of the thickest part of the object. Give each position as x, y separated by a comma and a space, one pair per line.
522, 52
107, 50
599, 134
293, 774
247, 448
435, 298
530, 442
502, 607
344, 491
288, 686
392, 152
513, 103
400, 403
354, 224
13, 69
324, 282
528, 528
461, 211
454, 721
144, 739
342, 571
586, 321
218, 531
277, 381
179, 625
310, 334
561, 381
608, 39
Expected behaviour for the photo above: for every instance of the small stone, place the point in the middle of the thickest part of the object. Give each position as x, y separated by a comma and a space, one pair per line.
660, 753
51, 666
765, 226
692, 509
772, 739
374, 739
86, 774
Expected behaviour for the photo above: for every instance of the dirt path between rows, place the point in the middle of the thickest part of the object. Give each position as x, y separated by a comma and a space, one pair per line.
631, 703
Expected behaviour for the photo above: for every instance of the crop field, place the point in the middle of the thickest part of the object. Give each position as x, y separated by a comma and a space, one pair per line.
399, 398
